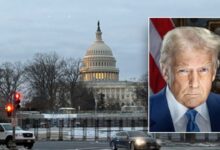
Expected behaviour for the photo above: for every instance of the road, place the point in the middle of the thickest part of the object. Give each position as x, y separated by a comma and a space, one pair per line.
70, 145
190, 148
81, 145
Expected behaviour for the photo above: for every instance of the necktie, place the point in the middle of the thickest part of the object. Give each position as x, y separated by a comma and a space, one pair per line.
191, 125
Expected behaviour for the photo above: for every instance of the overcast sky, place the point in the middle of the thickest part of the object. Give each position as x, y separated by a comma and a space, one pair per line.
68, 27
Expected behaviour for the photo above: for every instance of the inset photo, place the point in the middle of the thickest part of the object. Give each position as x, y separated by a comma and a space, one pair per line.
184, 75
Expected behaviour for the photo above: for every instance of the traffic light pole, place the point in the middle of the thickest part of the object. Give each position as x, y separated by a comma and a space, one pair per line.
11, 108
13, 122
13, 146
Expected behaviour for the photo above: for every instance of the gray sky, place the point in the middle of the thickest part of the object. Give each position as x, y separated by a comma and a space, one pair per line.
68, 27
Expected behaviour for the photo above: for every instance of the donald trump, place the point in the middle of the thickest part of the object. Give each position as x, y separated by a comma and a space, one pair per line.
188, 62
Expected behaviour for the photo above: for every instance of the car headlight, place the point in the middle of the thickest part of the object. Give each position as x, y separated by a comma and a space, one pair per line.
140, 142
159, 142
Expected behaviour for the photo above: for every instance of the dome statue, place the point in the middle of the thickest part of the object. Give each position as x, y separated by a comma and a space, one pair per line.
99, 63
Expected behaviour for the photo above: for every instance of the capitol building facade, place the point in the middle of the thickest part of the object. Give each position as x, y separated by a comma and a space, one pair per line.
100, 73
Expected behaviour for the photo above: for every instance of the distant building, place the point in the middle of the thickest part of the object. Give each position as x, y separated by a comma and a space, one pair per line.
99, 72
99, 63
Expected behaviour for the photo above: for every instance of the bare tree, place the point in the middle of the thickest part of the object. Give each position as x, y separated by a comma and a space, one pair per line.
43, 75
55, 81
70, 78
79, 96
10, 81
10, 78
83, 97
142, 91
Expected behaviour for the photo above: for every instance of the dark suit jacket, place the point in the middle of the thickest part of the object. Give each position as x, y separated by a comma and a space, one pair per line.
160, 117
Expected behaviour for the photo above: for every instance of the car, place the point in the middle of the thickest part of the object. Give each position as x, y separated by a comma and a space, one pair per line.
22, 137
134, 140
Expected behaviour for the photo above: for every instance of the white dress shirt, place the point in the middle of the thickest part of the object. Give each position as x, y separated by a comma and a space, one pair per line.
177, 111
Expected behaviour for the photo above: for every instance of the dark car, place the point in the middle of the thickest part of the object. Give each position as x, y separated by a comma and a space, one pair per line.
134, 140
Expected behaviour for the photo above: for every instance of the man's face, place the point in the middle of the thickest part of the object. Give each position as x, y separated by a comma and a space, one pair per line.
191, 77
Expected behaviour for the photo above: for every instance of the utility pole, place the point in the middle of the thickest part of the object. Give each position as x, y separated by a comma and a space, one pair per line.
11, 108
13, 122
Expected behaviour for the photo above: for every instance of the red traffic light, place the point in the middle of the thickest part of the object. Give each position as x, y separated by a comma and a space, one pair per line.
17, 100
17, 96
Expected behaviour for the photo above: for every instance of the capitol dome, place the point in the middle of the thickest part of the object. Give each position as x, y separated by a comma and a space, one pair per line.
99, 63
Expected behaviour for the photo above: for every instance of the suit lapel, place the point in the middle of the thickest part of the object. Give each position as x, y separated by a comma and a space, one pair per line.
161, 119
213, 104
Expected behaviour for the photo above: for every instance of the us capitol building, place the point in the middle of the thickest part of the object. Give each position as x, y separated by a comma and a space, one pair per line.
99, 72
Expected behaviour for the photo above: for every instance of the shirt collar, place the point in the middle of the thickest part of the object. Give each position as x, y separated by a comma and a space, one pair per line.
203, 111
178, 110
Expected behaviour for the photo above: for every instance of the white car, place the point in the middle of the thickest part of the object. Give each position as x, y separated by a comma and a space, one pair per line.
22, 137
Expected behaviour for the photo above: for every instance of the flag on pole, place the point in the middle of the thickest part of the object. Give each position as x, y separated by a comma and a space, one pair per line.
158, 28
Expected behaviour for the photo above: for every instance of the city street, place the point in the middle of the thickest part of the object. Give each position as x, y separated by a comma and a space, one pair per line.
82, 145
74, 145
70, 145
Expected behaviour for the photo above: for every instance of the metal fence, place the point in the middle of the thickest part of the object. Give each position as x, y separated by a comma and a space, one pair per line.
81, 128
101, 128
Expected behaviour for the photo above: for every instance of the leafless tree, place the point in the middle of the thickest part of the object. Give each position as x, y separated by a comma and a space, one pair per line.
142, 91
43, 75
10, 81
10, 78
70, 78
55, 82
83, 97
80, 97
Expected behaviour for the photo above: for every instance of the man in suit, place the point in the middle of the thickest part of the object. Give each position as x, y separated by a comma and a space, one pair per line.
188, 63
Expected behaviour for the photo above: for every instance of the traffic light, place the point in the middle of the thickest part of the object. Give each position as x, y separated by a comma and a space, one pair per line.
17, 99
9, 108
